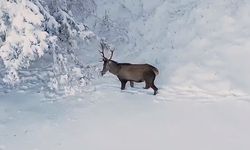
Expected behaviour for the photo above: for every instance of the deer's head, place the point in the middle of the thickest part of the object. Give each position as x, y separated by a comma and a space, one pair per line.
106, 61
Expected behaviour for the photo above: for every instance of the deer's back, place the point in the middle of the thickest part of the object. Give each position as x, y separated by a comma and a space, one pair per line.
134, 72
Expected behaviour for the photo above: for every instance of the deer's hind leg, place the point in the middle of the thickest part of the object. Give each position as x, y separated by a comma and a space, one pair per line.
148, 76
131, 83
150, 82
154, 88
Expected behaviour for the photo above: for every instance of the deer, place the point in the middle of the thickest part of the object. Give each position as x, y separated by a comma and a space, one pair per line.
129, 72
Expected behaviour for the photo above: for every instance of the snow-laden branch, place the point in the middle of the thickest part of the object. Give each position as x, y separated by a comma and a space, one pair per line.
30, 30
24, 37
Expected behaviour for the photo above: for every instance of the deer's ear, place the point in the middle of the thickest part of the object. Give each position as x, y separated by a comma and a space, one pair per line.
111, 62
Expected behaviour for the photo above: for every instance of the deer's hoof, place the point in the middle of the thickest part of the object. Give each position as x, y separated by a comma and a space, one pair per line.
155, 92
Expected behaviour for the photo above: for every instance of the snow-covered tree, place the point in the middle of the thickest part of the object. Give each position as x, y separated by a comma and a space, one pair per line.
23, 38
68, 72
32, 33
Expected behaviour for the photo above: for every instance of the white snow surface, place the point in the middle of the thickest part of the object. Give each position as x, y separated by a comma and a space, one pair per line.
134, 119
201, 49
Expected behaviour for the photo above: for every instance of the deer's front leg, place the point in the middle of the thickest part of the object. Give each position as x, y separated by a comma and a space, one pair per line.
123, 83
147, 85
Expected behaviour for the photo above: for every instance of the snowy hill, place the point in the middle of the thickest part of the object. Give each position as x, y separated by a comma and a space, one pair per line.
200, 47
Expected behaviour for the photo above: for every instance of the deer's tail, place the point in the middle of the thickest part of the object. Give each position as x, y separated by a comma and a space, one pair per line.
156, 71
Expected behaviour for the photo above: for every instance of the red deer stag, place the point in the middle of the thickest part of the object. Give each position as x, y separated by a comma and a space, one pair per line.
129, 72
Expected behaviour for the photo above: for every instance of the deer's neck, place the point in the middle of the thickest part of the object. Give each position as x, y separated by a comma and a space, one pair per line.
114, 67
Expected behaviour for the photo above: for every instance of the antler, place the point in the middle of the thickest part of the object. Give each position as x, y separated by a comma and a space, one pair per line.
104, 46
112, 52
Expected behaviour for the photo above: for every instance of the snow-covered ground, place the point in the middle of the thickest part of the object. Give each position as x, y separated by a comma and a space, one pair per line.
134, 119
201, 49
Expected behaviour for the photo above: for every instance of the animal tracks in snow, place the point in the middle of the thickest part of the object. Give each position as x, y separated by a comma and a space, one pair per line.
172, 94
